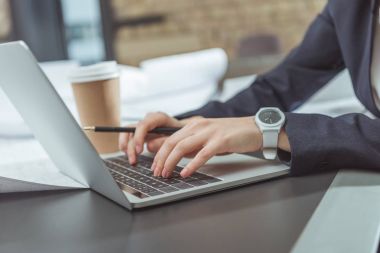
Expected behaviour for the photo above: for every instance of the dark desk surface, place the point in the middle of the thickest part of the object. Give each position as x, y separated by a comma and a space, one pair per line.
265, 217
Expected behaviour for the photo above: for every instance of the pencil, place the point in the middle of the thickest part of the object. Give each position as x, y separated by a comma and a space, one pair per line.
158, 130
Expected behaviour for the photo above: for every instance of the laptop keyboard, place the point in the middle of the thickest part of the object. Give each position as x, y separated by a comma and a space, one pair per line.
139, 180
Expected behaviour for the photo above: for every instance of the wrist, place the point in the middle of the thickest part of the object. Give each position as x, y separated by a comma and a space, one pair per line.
258, 136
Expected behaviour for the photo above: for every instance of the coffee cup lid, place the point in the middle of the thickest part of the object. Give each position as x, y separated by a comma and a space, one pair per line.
96, 72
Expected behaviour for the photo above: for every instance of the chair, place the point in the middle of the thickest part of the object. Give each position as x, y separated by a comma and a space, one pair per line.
258, 45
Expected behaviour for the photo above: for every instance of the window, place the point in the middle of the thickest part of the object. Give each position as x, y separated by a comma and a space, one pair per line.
83, 30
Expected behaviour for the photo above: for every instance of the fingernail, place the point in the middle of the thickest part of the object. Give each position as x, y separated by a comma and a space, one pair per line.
165, 173
156, 171
153, 166
184, 173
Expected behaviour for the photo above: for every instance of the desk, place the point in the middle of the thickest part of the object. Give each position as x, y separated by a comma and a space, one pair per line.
264, 217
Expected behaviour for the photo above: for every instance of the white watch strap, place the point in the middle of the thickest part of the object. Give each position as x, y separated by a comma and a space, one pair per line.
270, 140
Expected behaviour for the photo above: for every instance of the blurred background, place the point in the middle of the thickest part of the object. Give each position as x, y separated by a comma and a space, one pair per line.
255, 34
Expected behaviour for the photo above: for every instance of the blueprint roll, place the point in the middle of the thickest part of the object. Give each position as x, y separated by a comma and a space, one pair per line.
182, 72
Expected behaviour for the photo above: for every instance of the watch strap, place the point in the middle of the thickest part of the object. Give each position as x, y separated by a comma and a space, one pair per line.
270, 140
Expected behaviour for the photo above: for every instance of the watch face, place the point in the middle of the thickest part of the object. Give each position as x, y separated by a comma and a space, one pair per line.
270, 116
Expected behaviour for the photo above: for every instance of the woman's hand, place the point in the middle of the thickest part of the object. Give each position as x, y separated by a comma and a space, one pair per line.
206, 138
199, 137
133, 144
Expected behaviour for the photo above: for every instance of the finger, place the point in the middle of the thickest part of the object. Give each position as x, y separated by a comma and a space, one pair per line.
167, 147
124, 139
192, 154
185, 146
123, 142
200, 159
154, 145
152, 120
150, 136
131, 151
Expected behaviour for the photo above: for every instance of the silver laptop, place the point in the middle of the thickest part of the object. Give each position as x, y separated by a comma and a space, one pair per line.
53, 125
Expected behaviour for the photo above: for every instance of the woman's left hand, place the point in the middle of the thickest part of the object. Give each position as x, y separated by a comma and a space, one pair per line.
206, 138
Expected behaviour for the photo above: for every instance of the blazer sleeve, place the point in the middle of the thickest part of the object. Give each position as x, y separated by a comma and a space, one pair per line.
320, 142
317, 141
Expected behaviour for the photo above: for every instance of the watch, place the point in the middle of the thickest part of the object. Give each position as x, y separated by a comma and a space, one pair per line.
270, 121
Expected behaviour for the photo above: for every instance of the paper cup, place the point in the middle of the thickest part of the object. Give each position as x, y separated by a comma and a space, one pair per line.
96, 90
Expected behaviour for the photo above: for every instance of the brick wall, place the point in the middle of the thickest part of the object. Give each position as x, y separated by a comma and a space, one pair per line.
4, 19
196, 24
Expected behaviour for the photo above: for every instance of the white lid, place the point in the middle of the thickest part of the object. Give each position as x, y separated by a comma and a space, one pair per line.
96, 72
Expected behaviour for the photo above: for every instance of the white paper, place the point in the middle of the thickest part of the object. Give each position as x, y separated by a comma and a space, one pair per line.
25, 166
34, 176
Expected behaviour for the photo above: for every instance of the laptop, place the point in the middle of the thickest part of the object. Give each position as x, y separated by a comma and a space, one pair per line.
56, 129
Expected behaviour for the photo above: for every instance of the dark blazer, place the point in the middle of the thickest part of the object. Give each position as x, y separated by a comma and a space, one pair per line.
340, 37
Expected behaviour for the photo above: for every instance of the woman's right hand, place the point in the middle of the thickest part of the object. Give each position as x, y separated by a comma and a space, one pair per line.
133, 144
